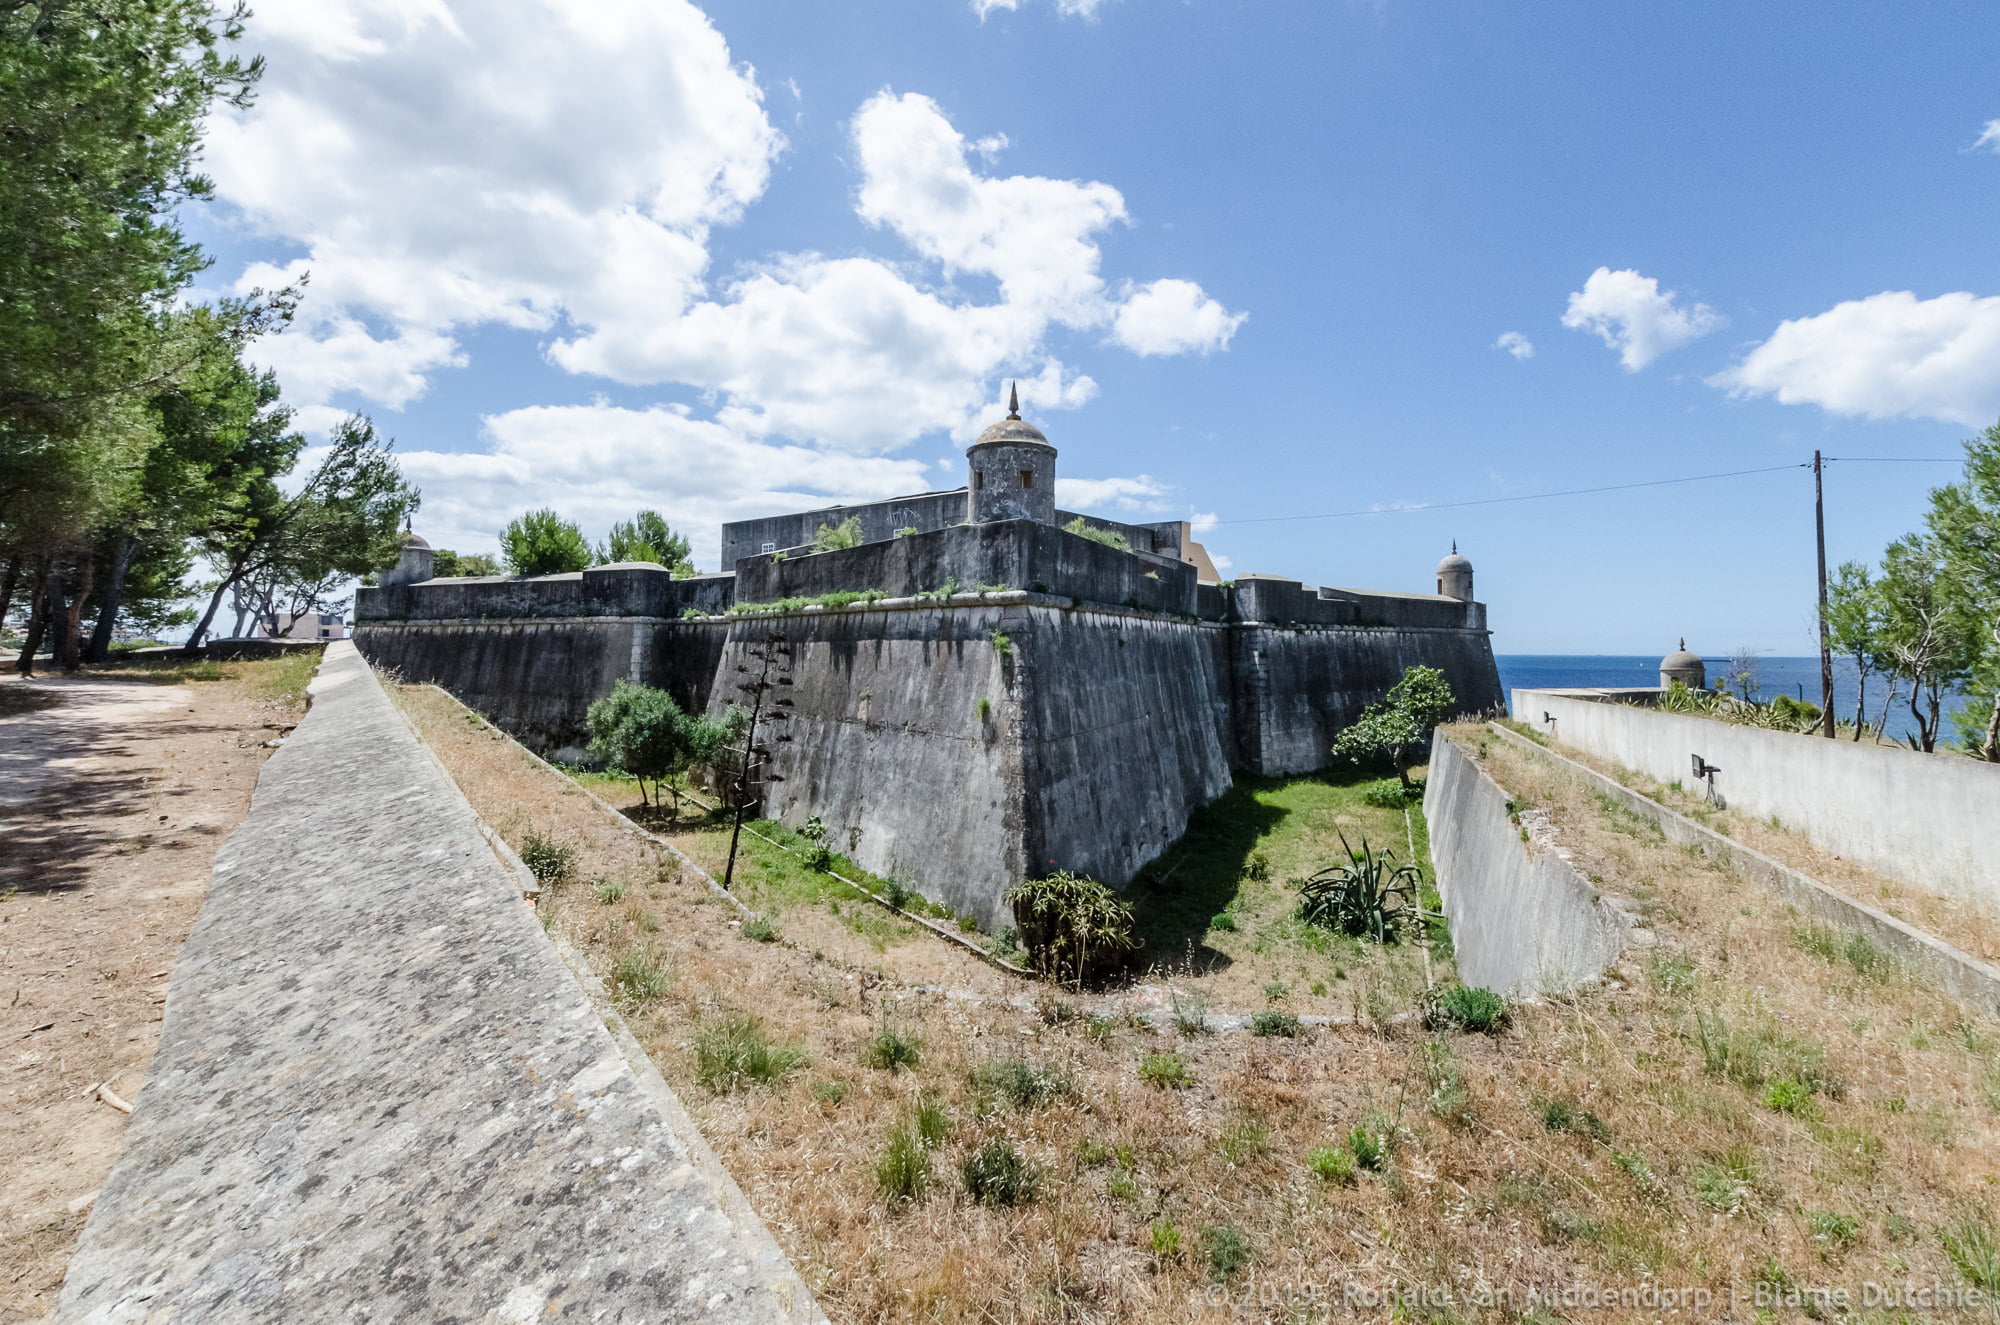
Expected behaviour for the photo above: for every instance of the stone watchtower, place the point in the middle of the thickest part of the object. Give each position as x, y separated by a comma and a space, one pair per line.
1455, 576
413, 566
1685, 667
1012, 471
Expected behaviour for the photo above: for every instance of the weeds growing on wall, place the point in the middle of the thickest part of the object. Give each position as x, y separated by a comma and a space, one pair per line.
834, 537
1110, 538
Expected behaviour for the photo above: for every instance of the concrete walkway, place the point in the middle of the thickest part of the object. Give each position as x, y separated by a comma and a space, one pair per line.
381, 1096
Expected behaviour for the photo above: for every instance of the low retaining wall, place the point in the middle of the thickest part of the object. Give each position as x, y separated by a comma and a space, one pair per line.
381, 1095
1928, 820
1927, 957
1523, 921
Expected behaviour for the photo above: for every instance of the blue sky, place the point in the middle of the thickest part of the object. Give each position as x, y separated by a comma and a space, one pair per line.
1250, 259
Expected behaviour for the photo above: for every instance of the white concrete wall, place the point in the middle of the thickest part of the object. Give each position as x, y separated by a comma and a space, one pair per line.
1928, 820
1523, 921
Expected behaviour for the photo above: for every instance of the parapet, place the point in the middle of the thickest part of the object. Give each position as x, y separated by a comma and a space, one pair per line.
1016, 554
1274, 600
628, 589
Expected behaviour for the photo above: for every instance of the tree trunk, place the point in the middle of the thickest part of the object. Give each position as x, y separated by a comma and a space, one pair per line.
193, 646
114, 598
1860, 697
7, 587
1924, 732
72, 636
38, 620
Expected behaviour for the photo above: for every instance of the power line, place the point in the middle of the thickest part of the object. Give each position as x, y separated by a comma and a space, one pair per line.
1897, 459
1531, 496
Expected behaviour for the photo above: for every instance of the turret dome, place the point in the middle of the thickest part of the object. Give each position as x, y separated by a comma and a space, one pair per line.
1454, 562
1680, 658
412, 539
1012, 430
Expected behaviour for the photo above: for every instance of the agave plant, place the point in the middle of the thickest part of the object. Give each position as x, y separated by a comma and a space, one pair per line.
1370, 896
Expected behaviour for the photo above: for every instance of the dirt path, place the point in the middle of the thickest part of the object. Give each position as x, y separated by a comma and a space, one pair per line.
114, 795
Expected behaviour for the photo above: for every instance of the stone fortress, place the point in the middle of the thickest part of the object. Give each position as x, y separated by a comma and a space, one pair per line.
973, 694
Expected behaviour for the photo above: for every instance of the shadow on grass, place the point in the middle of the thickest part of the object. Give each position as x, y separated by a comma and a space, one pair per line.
1174, 898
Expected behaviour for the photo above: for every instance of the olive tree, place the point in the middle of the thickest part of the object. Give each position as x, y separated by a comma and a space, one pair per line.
1396, 727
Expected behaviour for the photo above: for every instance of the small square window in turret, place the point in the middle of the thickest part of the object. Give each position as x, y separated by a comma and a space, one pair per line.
1027, 478
978, 479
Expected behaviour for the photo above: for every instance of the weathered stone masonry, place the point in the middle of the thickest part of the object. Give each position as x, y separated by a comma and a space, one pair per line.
1067, 707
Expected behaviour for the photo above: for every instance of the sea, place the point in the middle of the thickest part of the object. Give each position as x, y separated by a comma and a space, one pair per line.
1797, 677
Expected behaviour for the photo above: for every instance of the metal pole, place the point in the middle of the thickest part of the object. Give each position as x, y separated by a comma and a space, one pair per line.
1825, 650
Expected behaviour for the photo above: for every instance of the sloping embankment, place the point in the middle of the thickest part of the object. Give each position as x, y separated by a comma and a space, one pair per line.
380, 1095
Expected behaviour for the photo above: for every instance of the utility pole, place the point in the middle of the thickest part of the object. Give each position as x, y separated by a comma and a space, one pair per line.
773, 653
1825, 650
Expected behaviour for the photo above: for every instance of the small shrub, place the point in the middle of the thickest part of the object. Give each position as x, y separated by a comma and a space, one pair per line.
1017, 1084
830, 1091
897, 894
904, 1169
1224, 920
1561, 1116
1003, 644
1257, 867
1166, 1239
1332, 1164
1467, 1008
758, 930
1057, 1011
1100, 1029
1789, 1096
1272, 1022
1190, 1013
640, 975
551, 860
734, 1051
1165, 1072
833, 537
1369, 1149
1369, 897
1389, 794
997, 1176
1446, 1097
1671, 970
892, 1050
1109, 537
1728, 1183
1833, 1228
908, 531
1226, 1248
817, 857
1073, 927
609, 892
983, 708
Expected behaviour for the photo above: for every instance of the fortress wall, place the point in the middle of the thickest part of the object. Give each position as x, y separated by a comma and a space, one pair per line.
1928, 820
925, 511
888, 745
1018, 554
532, 679
1301, 686
1126, 729
630, 590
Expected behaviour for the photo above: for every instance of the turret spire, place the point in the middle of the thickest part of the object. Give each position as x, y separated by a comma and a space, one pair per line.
1014, 401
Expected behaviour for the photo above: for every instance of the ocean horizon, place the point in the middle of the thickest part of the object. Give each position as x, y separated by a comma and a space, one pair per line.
1797, 677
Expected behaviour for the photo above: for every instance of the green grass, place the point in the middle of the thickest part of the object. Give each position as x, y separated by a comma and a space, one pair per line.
997, 1175
734, 1051
1165, 1072
892, 1050
1017, 1084
1223, 892
641, 975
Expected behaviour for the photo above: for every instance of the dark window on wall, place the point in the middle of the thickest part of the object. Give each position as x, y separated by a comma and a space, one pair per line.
978, 479
1027, 478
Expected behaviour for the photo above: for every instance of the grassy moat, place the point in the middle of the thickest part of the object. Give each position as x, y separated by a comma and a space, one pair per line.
1749, 1101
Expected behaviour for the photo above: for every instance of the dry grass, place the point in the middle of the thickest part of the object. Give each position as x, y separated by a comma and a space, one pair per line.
1589, 1143
1955, 920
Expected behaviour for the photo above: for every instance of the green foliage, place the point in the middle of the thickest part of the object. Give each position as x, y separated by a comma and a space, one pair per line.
1370, 896
1227, 1250
1329, 1164
1074, 928
1833, 1228
1017, 1084
1165, 1238
1761, 1056
1273, 1023
838, 598
550, 859
833, 537
1165, 1072
1245, 1139
446, 564
1003, 644
907, 531
903, 1171
892, 1050
734, 1050
1562, 1116
1446, 1095
543, 543
1387, 795
1974, 1253
648, 537
1829, 944
1110, 538
641, 975
1395, 728
1468, 1008
758, 929
609, 892
997, 1175
1369, 1148
640, 731
932, 1122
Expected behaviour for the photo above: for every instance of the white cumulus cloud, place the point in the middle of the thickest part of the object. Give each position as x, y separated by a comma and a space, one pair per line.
1141, 493
1631, 314
1173, 317
1891, 355
1515, 344
1069, 8
1989, 138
